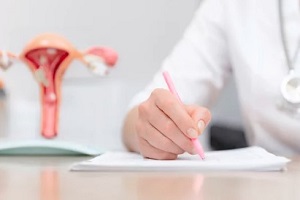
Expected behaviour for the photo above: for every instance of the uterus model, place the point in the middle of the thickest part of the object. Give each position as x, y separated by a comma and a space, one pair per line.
48, 56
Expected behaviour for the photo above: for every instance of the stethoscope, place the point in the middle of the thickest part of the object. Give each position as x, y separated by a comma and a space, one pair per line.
290, 86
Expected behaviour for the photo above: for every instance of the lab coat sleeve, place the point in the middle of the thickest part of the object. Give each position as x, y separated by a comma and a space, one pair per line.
199, 63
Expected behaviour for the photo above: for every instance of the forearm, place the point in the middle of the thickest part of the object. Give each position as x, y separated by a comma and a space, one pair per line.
129, 131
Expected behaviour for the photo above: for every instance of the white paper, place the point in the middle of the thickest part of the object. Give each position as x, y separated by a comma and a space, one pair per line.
250, 159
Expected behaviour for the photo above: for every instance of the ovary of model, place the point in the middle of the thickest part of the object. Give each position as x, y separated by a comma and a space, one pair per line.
6, 59
48, 56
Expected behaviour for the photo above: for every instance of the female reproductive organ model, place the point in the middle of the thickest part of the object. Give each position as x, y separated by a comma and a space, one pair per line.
48, 56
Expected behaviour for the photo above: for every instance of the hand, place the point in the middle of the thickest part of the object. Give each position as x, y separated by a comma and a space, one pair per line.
165, 126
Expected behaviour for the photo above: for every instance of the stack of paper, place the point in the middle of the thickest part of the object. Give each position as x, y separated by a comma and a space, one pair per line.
250, 159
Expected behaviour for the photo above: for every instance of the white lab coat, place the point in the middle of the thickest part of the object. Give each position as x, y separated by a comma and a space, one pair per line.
242, 38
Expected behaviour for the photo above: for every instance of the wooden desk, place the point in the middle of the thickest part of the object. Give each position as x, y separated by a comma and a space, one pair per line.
48, 178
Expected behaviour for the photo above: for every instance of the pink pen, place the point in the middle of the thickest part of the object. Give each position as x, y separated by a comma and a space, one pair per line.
172, 89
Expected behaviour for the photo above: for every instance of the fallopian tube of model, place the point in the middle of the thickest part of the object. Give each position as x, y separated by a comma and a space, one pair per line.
48, 56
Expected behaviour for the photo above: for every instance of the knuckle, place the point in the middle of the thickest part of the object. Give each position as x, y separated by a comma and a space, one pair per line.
168, 127
169, 102
143, 109
165, 101
156, 93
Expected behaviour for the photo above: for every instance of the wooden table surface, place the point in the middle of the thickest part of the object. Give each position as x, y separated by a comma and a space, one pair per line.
49, 178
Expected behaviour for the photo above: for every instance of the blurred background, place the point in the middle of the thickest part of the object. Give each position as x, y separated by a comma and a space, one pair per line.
143, 32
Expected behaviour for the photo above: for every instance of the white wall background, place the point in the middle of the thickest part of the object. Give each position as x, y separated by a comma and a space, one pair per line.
142, 31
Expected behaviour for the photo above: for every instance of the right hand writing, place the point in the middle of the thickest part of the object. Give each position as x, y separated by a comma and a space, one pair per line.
165, 126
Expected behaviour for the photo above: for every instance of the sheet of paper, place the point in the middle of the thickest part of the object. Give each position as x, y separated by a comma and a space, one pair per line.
250, 159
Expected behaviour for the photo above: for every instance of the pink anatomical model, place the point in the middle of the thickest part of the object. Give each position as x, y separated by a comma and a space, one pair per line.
48, 56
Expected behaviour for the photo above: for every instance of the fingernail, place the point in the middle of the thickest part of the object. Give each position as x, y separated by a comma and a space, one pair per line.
192, 133
201, 126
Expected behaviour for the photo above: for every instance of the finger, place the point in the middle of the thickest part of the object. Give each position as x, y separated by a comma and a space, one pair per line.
168, 128
159, 141
172, 107
201, 115
148, 151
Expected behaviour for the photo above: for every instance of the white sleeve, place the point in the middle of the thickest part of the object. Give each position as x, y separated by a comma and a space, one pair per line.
199, 63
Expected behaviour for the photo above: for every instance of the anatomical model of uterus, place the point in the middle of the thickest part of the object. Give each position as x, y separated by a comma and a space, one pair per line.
48, 56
